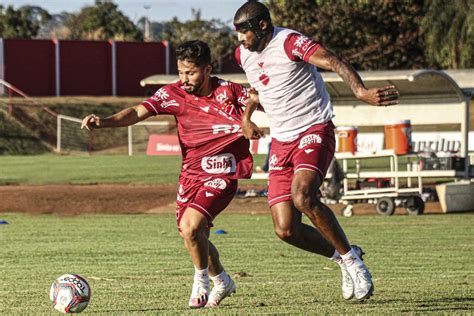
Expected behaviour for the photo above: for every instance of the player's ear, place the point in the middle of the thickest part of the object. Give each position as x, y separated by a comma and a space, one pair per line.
208, 69
263, 25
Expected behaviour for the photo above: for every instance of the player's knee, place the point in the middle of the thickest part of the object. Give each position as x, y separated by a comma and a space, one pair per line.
190, 230
303, 200
285, 233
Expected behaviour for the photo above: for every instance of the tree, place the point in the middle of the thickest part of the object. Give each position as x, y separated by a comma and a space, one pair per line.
56, 27
103, 21
23, 23
215, 33
448, 30
369, 34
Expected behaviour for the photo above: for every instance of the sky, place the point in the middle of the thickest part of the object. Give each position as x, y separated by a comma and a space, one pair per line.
160, 10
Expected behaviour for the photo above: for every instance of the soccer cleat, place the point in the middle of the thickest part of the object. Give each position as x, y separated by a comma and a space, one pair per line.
199, 295
361, 278
347, 284
219, 292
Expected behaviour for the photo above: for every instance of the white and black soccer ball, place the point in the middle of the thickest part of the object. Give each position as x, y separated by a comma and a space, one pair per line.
70, 293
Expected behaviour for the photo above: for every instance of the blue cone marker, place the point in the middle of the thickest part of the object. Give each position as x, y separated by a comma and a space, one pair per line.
220, 232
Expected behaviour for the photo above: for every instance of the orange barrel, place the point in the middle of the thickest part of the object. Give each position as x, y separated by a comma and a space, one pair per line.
398, 136
347, 139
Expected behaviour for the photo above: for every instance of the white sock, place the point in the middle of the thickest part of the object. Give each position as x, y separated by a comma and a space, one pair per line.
201, 275
351, 259
222, 278
336, 257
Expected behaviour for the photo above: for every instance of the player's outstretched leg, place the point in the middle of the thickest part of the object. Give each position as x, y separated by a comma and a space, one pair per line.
224, 286
305, 199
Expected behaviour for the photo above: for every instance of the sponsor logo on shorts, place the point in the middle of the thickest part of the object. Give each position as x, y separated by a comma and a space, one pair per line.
208, 194
216, 184
224, 163
181, 199
272, 163
309, 150
310, 139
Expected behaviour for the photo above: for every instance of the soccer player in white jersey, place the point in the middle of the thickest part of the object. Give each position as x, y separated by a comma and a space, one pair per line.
281, 64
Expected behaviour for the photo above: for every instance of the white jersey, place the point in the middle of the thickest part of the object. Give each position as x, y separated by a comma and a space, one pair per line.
291, 90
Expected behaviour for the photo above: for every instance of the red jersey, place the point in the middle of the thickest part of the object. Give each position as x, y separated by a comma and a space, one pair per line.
209, 128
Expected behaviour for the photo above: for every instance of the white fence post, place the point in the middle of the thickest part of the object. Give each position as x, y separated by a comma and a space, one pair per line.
130, 149
114, 68
57, 59
58, 134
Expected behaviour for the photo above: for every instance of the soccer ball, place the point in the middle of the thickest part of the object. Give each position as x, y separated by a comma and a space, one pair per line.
70, 293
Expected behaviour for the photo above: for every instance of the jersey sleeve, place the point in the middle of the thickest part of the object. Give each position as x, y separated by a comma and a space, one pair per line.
162, 102
299, 47
240, 93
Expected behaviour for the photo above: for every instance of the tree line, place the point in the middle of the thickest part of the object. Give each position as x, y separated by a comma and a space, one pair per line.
370, 34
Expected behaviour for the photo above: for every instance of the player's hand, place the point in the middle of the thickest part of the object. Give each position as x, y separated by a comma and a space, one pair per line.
91, 121
251, 130
385, 96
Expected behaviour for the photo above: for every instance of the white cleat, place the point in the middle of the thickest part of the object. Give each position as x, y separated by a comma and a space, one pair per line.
347, 283
199, 295
219, 292
361, 278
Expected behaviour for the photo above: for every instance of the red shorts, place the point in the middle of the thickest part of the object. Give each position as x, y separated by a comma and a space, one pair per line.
312, 150
209, 197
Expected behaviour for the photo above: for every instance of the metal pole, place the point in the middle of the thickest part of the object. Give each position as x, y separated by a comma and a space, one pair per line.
130, 149
2, 65
58, 134
465, 138
114, 68
167, 57
57, 56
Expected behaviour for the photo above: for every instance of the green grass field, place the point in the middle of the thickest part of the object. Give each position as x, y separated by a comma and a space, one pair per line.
84, 169
136, 264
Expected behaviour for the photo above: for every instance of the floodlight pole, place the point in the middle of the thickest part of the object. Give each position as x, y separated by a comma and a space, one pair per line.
147, 24
465, 138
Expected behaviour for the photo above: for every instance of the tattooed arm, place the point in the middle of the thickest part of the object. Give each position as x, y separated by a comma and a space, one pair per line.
325, 59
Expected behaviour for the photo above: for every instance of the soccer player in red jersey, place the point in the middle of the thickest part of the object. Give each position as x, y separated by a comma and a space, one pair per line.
281, 64
208, 113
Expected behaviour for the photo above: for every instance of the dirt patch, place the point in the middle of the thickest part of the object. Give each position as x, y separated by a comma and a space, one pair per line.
129, 199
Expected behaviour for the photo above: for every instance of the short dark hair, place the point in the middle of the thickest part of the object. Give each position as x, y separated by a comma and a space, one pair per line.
252, 10
197, 52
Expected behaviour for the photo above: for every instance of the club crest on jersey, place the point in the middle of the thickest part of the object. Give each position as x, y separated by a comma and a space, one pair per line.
310, 139
216, 184
223, 163
263, 76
